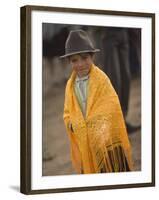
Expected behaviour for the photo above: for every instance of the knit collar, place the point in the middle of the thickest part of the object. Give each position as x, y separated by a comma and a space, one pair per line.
84, 78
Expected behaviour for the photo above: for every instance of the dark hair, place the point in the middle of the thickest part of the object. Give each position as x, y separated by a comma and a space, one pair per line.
90, 53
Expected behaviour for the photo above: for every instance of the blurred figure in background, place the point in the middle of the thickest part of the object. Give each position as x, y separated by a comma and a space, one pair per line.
116, 62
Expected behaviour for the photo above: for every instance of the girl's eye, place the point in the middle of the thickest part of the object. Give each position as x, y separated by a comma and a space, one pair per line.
74, 60
85, 57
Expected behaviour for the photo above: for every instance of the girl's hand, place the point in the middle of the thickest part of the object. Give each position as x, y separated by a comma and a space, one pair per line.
70, 126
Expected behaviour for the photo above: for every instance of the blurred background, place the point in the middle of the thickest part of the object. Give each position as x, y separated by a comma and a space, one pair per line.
119, 58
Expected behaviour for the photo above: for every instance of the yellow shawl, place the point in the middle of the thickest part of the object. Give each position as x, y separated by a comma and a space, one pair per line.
98, 141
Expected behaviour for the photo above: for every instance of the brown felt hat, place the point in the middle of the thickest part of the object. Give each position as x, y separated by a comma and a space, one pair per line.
78, 42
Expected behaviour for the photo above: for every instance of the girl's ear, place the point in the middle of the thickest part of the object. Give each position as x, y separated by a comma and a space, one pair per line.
92, 56
68, 59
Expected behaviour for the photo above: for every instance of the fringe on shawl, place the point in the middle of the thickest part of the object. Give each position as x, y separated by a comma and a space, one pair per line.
112, 159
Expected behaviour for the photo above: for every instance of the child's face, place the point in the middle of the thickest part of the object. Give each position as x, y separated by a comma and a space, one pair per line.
81, 63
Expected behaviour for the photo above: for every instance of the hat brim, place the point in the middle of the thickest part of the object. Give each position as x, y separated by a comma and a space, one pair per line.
79, 52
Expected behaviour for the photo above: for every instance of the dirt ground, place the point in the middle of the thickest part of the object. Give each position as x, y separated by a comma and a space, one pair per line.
56, 154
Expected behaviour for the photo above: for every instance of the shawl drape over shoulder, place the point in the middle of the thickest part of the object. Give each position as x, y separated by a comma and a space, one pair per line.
98, 141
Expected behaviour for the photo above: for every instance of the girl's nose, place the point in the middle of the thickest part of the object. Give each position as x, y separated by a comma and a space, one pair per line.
80, 63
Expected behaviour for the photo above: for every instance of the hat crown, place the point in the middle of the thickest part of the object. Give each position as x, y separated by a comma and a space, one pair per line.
78, 42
